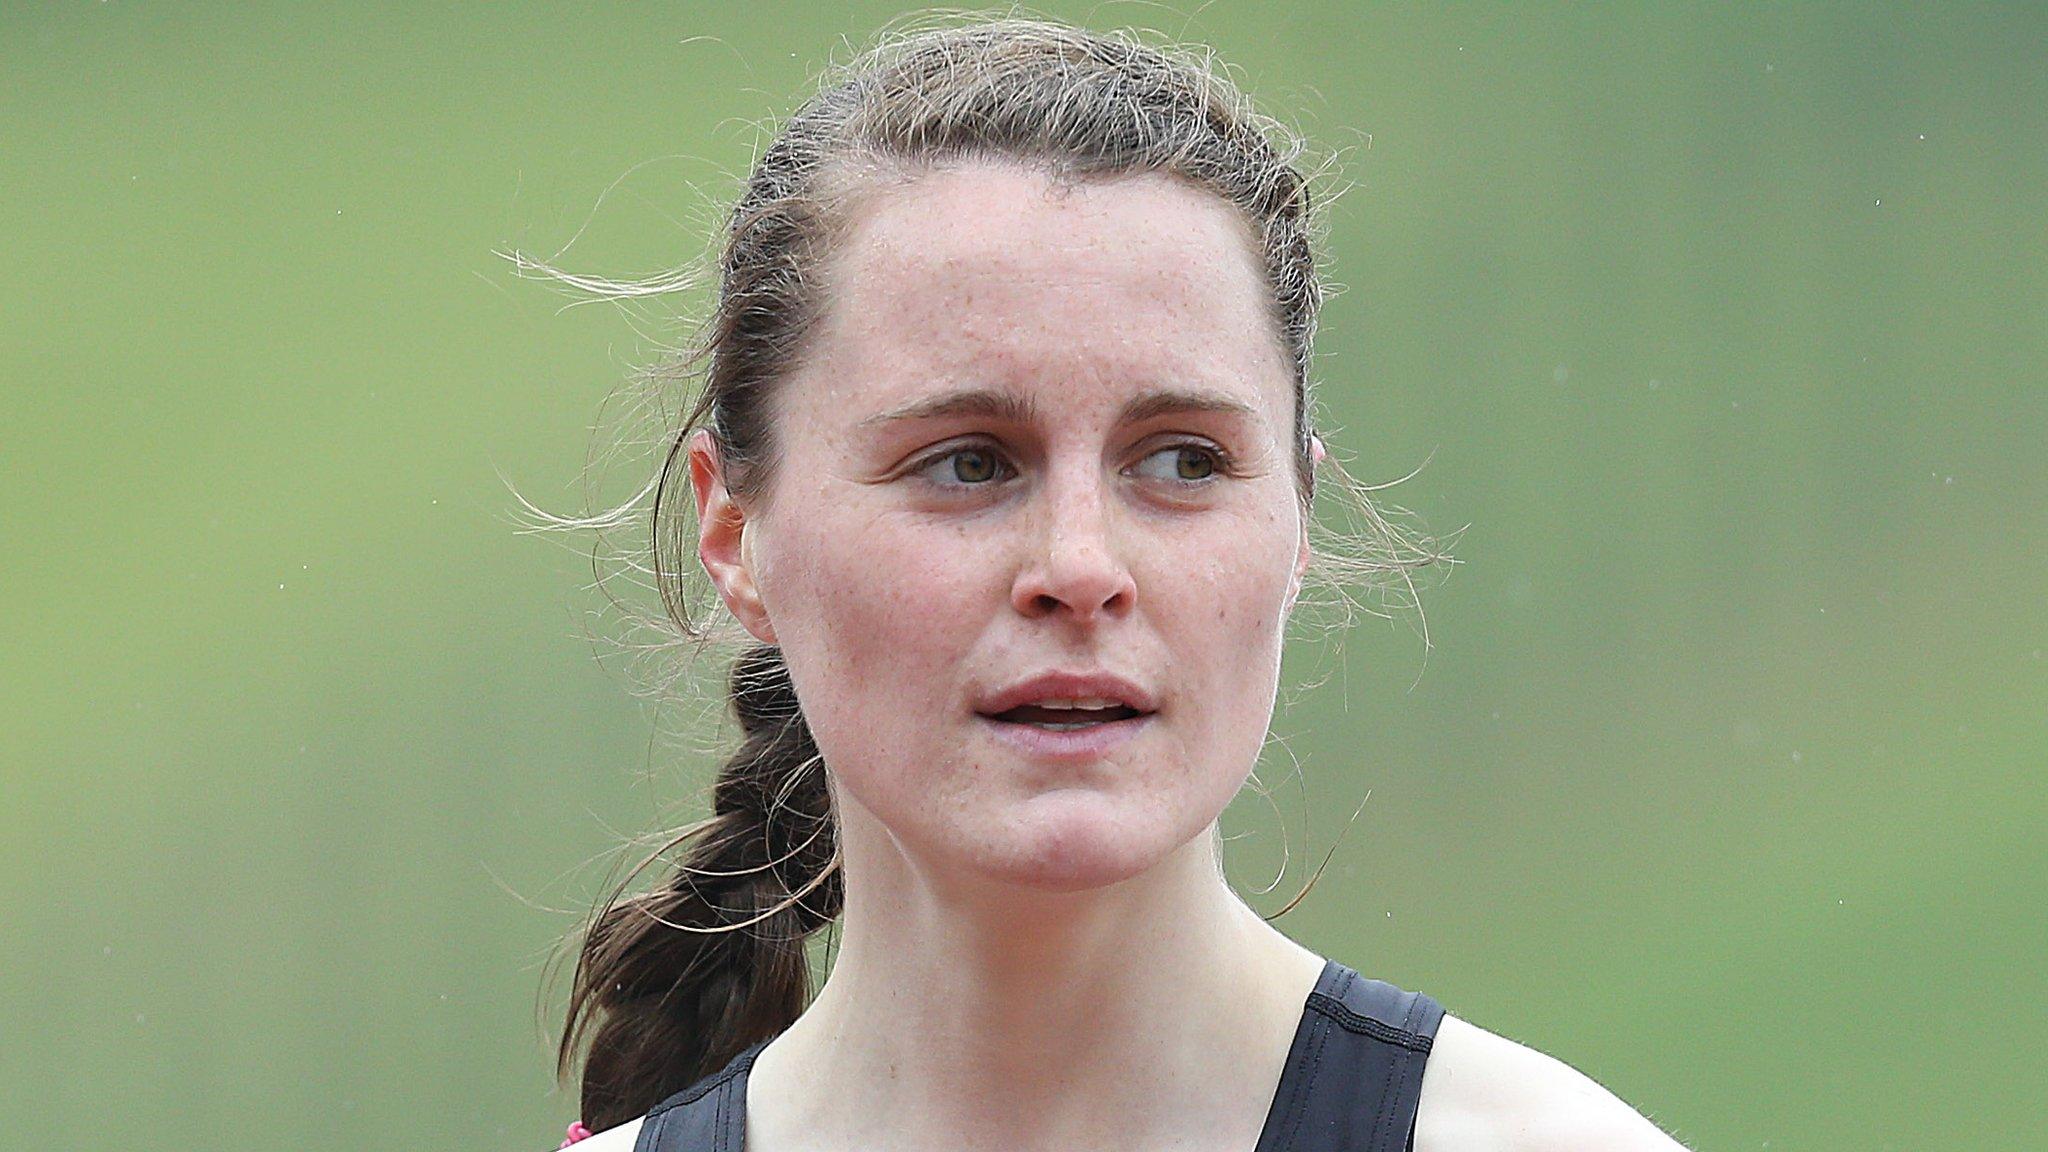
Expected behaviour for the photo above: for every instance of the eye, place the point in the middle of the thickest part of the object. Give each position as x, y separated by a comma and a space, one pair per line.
1183, 464
969, 466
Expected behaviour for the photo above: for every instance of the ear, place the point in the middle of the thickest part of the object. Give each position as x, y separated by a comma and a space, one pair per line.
1302, 552
1301, 559
724, 546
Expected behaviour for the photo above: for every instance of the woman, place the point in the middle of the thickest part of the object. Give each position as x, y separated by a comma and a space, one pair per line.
1004, 460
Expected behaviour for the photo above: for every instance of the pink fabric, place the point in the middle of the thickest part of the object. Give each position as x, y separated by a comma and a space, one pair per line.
577, 1132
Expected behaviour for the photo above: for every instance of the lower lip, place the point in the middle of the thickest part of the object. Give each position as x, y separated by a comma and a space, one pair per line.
1074, 744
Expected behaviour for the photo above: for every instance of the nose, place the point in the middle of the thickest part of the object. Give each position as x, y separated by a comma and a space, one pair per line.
1074, 564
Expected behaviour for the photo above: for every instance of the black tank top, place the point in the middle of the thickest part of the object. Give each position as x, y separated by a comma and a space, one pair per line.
1351, 1084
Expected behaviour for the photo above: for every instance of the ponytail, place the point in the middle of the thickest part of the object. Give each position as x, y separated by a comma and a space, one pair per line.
671, 984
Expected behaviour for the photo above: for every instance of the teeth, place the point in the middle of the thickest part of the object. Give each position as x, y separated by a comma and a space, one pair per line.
1095, 702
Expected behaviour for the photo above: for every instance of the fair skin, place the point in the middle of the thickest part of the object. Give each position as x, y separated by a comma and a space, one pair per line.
1040, 430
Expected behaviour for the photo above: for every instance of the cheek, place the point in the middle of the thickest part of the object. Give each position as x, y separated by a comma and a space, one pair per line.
1221, 615
1228, 597
864, 604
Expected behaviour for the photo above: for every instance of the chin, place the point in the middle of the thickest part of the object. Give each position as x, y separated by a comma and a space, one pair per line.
1073, 841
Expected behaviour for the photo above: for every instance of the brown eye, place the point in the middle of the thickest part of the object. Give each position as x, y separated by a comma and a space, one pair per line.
974, 466
1182, 463
966, 467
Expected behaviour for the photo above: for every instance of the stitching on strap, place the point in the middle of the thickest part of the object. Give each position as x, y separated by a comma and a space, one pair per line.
649, 1139
1367, 1026
1395, 1092
1296, 1107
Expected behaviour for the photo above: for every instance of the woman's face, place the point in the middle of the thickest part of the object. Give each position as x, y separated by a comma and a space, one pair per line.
1040, 433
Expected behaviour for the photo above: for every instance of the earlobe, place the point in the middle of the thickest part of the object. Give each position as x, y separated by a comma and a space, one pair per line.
1303, 554
724, 542
1301, 562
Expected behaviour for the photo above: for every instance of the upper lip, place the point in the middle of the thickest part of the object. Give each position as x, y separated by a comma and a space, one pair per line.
1067, 686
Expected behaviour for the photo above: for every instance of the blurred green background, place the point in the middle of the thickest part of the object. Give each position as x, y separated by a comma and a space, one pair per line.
1726, 327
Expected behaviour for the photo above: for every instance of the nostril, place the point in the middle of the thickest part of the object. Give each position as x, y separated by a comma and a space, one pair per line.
1089, 582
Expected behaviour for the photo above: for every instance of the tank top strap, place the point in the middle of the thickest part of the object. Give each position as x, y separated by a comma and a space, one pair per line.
1354, 1075
708, 1116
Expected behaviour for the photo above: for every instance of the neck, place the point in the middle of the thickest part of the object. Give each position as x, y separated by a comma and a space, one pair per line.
1155, 1011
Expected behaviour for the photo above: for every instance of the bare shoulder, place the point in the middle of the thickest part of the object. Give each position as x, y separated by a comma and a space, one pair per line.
618, 1139
1485, 1093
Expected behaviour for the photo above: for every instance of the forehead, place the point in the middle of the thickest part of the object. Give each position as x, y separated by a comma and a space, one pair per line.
993, 275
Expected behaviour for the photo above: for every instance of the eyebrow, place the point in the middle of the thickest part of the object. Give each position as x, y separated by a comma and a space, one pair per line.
1015, 409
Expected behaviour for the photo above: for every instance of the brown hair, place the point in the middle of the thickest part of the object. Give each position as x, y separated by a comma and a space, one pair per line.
671, 984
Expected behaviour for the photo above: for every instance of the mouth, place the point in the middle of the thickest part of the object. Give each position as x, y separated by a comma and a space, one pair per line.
1067, 716
1067, 734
